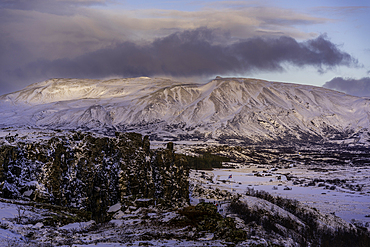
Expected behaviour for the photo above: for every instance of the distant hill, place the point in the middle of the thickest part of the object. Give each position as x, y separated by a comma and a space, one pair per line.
225, 110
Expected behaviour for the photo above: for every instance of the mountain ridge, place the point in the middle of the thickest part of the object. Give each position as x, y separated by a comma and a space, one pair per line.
243, 109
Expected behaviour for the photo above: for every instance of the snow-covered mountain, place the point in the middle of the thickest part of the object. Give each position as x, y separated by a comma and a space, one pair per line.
224, 109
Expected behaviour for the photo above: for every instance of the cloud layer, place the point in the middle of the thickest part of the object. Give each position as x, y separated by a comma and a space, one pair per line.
360, 87
193, 53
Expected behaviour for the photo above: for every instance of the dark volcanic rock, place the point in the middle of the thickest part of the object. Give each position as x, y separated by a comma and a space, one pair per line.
88, 172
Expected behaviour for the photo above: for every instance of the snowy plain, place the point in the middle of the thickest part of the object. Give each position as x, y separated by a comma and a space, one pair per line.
347, 204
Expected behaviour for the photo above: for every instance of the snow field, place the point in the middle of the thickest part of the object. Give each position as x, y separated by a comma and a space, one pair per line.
347, 204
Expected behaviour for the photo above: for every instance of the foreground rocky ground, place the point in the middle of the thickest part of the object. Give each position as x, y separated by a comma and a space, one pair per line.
215, 218
135, 226
79, 189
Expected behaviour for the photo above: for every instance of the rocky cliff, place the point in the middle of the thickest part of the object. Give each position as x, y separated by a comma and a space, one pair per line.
91, 173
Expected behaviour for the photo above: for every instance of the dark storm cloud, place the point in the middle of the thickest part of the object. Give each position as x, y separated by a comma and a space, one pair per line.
193, 53
351, 86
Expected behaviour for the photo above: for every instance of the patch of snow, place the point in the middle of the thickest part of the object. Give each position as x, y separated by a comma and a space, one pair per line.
119, 214
169, 216
78, 225
114, 208
117, 223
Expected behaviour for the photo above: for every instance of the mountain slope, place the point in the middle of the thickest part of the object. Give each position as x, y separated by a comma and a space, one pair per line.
247, 110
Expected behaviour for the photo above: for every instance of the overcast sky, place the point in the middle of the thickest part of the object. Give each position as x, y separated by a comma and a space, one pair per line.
308, 42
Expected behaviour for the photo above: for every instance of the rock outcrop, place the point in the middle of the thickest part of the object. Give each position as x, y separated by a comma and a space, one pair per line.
92, 173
